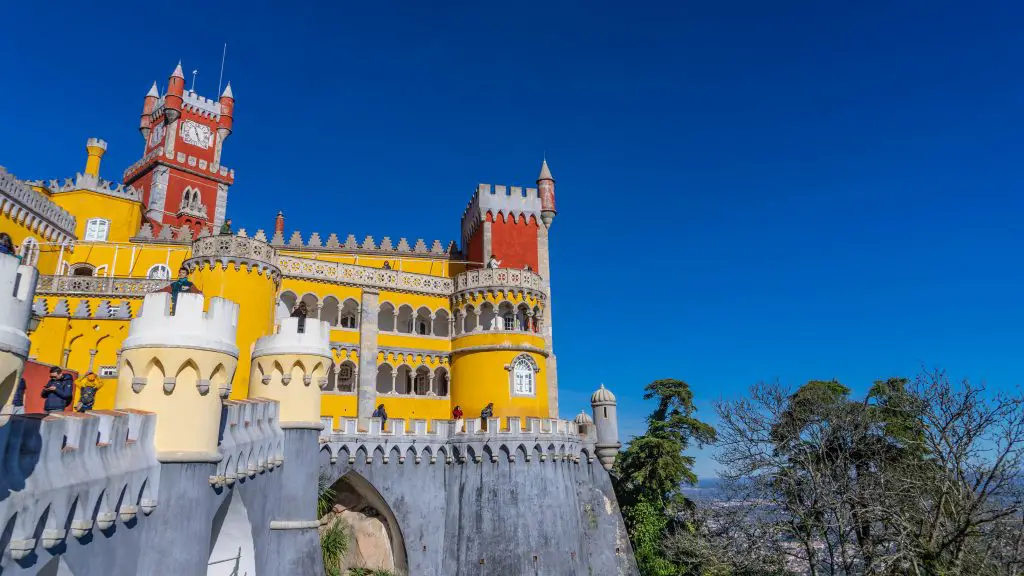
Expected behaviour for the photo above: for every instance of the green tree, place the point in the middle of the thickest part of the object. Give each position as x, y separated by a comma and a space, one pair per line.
650, 473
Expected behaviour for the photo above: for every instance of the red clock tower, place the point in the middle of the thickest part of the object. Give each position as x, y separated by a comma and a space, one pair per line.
181, 177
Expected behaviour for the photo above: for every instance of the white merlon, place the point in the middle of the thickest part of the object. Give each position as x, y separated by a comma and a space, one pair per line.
188, 327
508, 201
96, 142
17, 288
314, 340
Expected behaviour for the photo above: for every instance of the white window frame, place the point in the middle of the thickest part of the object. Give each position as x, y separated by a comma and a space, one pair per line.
29, 251
155, 267
97, 230
522, 370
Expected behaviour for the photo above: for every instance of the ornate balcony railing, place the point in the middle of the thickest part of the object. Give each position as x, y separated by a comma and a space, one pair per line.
362, 276
92, 286
228, 246
499, 279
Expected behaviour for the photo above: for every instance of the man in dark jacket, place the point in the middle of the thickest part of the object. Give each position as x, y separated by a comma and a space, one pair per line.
59, 391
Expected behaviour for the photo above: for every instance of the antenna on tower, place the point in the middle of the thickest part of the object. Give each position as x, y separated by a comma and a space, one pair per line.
223, 57
193, 88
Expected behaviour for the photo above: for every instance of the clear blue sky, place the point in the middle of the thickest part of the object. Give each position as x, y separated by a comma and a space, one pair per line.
747, 190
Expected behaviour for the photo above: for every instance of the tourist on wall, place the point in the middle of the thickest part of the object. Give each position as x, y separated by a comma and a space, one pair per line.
301, 312
493, 262
6, 245
381, 413
59, 391
387, 265
88, 385
457, 412
225, 228
182, 284
487, 412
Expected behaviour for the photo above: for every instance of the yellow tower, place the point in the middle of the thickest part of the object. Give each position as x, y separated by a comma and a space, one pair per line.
243, 270
180, 366
290, 367
498, 350
95, 148
17, 286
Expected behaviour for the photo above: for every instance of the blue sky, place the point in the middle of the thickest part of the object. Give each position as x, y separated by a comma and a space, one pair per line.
747, 191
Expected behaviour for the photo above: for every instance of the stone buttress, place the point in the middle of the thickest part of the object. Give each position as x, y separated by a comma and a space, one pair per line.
290, 367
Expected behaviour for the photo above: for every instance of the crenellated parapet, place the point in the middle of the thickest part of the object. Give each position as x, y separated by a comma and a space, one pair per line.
511, 203
458, 441
180, 366
290, 367
226, 250
251, 442
92, 183
77, 473
36, 212
367, 246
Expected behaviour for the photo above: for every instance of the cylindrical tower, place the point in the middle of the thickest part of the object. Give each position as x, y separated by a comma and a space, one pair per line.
180, 366
290, 367
175, 95
95, 148
498, 351
606, 420
245, 271
146, 119
17, 287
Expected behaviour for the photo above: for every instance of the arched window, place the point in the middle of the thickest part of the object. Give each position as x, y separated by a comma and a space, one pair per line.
349, 313
159, 272
522, 372
29, 251
96, 229
82, 270
345, 377
422, 382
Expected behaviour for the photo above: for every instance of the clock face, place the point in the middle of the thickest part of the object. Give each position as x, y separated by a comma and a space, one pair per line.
157, 134
196, 134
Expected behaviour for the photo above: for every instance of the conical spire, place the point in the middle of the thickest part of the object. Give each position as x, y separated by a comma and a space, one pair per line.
153, 92
545, 173
227, 92
177, 72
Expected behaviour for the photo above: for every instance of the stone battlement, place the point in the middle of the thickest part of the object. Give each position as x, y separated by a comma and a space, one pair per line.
513, 203
17, 287
315, 340
205, 107
188, 327
458, 441
367, 246
21, 203
224, 250
251, 441
92, 184
77, 471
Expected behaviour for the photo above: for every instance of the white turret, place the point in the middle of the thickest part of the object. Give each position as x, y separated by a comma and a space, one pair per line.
290, 367
606, 420
188, 327
17, 287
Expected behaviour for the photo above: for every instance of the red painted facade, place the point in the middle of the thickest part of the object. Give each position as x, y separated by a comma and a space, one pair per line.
514, 243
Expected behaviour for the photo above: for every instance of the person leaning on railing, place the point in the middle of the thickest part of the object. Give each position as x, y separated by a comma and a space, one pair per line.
182, 284
6, 245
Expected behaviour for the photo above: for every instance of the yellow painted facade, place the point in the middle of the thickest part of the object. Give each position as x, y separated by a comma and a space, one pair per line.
438, 343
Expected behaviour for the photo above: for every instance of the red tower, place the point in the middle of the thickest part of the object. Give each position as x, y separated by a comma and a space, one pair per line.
506, 221
181, 177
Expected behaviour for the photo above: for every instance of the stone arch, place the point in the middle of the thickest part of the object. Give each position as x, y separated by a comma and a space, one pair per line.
423, 322
289, 300
404, 320
521, 454
441, 381
330, 310
188, 374
386, 317
503, 453
421, 381
440, 327
312, 305
469, 320
356, 492
349, 315
488, 316
232, 550
385, 378
403, 380
506, 319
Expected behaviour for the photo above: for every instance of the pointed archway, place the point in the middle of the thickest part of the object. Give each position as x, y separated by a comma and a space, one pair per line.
232, 552
363, 507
